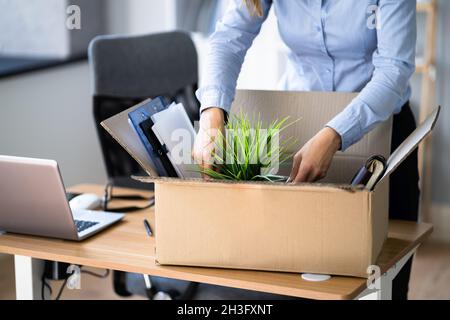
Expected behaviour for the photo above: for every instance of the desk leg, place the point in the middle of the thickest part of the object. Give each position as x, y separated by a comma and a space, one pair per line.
385, 292
28, 273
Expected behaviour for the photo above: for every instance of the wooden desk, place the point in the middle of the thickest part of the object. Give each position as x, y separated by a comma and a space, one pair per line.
127, 247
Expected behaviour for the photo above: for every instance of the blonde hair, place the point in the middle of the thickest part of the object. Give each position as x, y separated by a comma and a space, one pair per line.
254, 6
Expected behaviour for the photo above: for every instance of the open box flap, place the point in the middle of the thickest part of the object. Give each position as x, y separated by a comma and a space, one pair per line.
410, 144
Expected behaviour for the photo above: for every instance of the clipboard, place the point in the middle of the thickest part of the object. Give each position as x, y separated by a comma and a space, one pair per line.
141, 120
121, 130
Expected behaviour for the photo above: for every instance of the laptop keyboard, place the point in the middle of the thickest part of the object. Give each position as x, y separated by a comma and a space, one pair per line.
83, 225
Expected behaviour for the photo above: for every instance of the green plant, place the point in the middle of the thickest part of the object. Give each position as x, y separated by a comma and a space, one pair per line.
250, 150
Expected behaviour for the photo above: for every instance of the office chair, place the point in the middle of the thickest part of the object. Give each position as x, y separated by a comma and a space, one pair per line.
125, 71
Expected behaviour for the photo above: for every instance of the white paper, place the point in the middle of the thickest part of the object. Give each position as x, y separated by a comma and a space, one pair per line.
174, 130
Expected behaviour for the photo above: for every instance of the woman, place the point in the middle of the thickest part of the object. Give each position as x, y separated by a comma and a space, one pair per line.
365, 46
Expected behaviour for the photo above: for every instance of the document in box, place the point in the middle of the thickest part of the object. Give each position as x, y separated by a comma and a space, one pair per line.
140, 120
174, 130
125, 134
154, 157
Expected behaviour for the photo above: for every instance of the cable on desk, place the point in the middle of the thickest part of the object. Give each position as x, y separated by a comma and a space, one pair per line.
108, 196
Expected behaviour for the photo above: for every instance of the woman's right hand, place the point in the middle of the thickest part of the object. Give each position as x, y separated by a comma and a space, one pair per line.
211, 123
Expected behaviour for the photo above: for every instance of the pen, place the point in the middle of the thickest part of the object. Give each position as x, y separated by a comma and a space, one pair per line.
148, 228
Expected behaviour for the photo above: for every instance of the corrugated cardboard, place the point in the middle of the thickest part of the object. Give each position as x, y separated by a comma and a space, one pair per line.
328, 228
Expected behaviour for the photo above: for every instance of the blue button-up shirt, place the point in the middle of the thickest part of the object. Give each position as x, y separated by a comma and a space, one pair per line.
365, 46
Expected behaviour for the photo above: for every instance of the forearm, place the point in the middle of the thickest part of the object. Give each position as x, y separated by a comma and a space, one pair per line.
227, 49
383, 96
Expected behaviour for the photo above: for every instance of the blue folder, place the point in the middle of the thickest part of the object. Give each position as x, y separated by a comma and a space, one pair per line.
142, 123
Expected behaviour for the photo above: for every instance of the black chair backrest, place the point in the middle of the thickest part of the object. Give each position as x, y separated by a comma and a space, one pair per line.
129, 69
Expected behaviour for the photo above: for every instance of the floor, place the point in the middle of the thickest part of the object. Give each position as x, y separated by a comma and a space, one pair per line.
430, 278
431, 272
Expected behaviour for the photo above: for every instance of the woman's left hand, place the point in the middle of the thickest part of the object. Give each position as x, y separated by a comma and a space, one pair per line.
312, 162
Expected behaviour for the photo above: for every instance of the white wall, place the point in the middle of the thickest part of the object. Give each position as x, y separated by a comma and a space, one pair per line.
138, 16
265, 61
26, 38
48, 114
42, 29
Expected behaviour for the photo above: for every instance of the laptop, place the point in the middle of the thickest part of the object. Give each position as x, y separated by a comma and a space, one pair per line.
33, 201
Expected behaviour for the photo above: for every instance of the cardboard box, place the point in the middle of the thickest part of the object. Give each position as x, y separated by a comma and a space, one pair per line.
327, 227
331, 229
319, 229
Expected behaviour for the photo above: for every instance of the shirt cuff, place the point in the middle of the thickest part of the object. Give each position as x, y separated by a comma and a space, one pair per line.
214, 97
347, 125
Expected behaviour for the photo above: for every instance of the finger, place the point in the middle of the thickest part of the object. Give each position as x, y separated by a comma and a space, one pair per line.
207, 162
312, 177
218, 152
319, 176
198, 159
217, 167
203, 170
205, 177
201, 151
295, 167
303, 175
